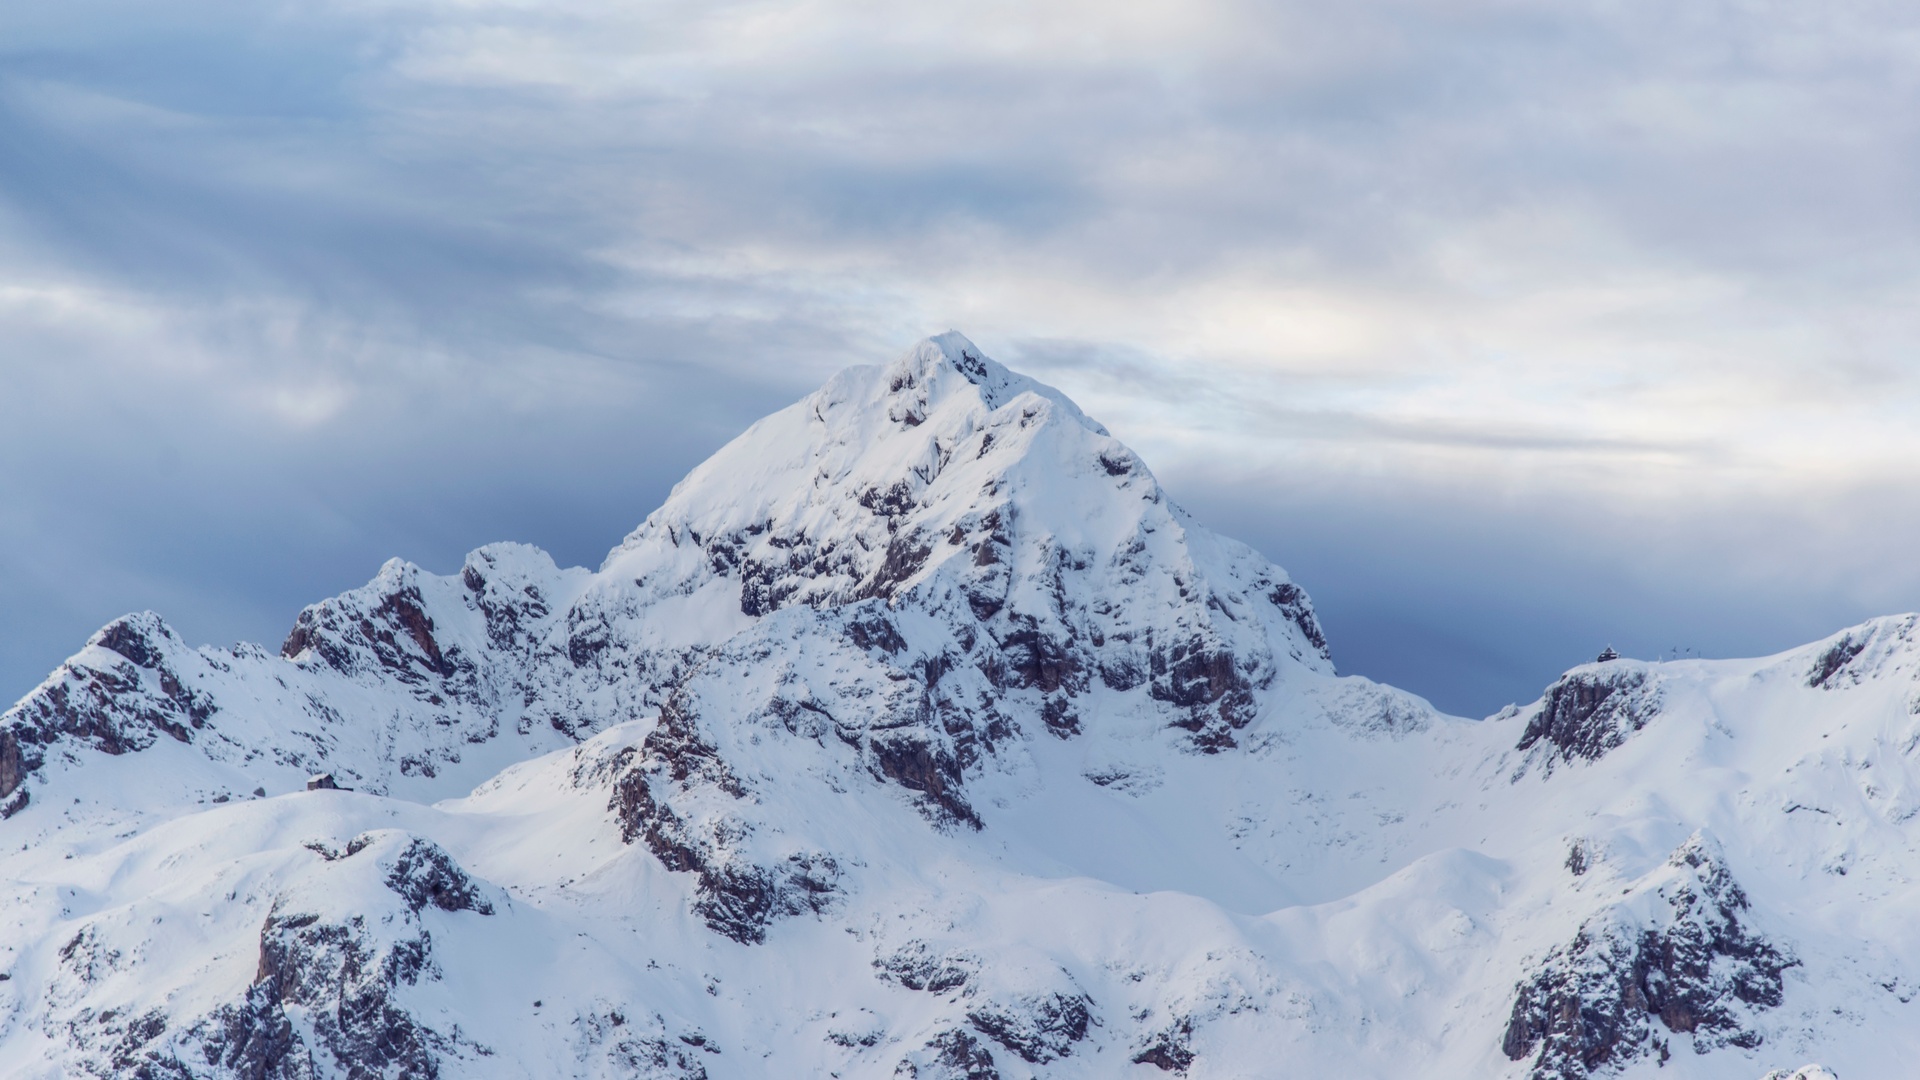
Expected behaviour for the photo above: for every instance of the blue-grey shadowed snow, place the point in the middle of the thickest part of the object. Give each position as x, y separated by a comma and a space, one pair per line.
1512, 330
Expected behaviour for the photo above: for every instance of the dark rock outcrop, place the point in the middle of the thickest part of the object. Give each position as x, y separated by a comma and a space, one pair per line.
1591, 710
343, 973
255, 1039
638, 1049
916, 966
1171, 1049
511, 605
917, 761
1697, 969
396, 634
951, 1055
736, 897
424, 875
1292, 601
1207, 683
1039, 1027
1835, 660
15, 766
1865, 652
117, 700
345, 977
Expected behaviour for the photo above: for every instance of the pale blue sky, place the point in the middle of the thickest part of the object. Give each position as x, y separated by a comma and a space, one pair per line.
1512, 329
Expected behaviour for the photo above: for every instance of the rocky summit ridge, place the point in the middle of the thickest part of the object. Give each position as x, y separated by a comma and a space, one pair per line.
920, 734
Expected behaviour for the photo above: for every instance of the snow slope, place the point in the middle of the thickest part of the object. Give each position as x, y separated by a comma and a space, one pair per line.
919, 734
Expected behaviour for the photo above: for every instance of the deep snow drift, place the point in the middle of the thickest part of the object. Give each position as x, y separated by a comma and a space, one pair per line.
920, 735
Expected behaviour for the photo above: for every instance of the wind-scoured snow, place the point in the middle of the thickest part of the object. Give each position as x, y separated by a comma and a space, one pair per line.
919, 734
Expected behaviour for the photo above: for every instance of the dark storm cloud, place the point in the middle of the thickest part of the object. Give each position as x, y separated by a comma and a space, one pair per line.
1561, 289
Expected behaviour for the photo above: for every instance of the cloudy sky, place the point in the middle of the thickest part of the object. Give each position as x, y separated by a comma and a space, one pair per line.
1511, 328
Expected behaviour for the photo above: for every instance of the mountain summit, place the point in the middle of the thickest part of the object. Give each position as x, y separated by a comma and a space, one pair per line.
920, 735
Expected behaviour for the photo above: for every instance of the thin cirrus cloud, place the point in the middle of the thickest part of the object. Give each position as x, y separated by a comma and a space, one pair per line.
1511, 328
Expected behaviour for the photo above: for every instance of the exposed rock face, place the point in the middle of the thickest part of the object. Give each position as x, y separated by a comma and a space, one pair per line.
951, 1055
1834, 660
1866, 652
397, 635
15, 765
423, 875
340, 955
122, 692
409, 653
1591, 710
117, 1043
917, 966
1170, 1050
629, 1046
736, 896
337, 953
346, 981
1675, 950
1038, 1027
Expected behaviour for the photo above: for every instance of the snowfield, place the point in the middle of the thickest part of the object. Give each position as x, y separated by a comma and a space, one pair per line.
920, 735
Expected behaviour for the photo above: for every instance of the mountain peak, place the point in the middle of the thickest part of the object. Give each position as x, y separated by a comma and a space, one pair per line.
929, 362
948, 476
940, 435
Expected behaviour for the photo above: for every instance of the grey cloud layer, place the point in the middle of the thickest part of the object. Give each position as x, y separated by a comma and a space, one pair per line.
286, 290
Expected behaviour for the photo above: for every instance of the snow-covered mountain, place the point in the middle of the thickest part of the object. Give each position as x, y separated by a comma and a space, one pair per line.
919, 735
